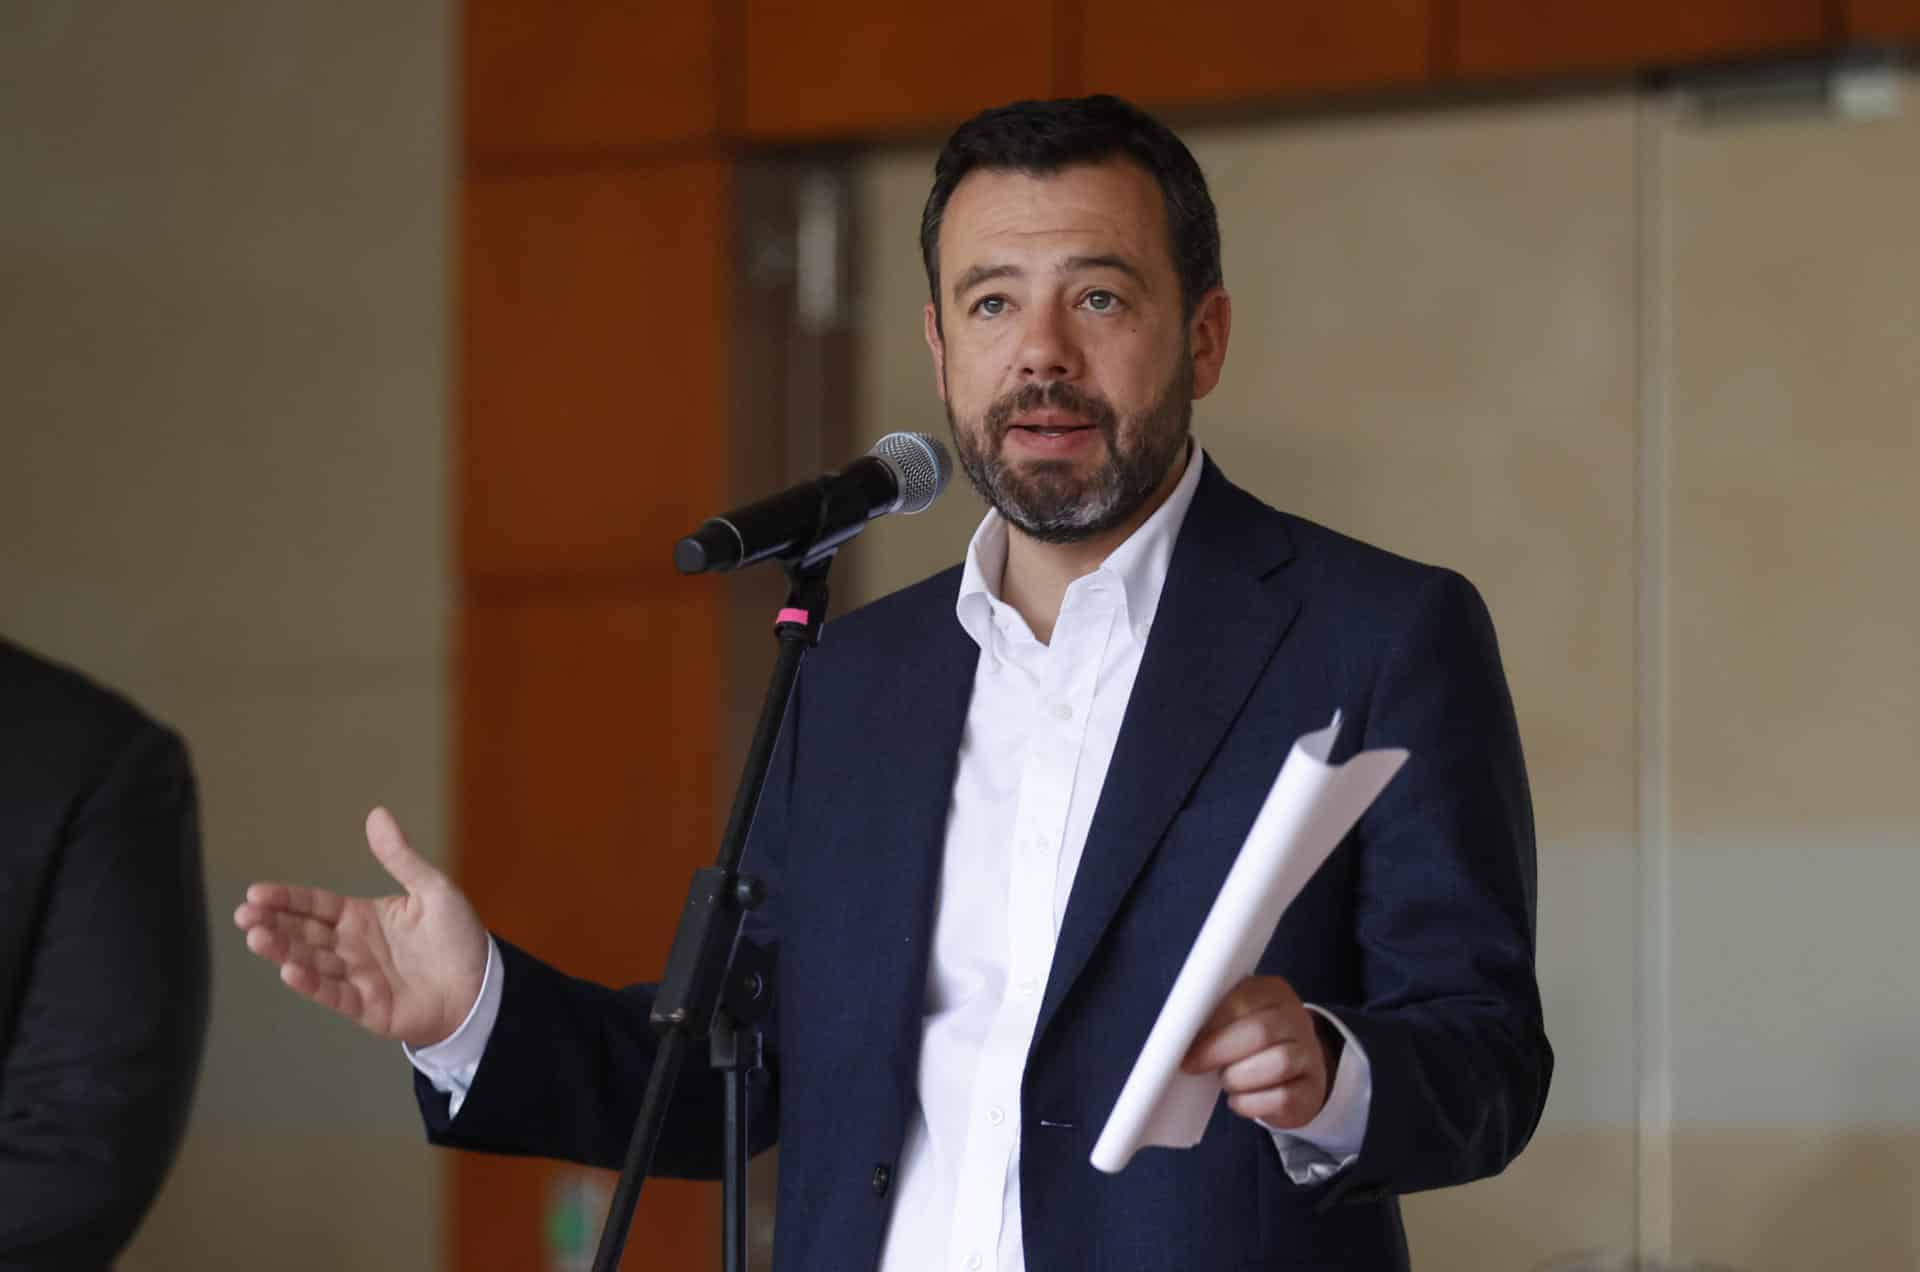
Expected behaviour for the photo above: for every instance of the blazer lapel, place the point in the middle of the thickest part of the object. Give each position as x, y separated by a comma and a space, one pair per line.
1221, 616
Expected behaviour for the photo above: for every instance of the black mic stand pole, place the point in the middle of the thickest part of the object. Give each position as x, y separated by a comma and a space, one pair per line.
718, 986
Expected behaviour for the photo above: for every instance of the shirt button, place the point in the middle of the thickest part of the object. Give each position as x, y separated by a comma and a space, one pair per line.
1026, 987
974, 1261
996, 1116
1061, 711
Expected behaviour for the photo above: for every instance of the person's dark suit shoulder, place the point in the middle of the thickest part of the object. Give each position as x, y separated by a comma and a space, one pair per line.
1377, 588
103, 962
63, 727
858, 632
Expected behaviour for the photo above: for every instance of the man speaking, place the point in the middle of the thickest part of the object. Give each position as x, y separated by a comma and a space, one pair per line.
1006, 797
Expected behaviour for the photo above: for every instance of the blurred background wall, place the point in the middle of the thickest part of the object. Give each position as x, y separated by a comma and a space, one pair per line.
224, 316
360, 364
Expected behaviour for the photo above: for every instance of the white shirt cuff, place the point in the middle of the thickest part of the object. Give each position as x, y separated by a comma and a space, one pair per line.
1330, 1143
449, 1065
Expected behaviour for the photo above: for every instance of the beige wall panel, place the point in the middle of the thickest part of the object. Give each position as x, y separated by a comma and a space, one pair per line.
222, 335
1796, 402
1771, 1200
1795, 1003
222, 489
1434, 345
1796, 707
244, 1186
1534, 1217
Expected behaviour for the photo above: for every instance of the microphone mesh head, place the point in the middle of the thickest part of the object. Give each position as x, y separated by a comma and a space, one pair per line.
922, 464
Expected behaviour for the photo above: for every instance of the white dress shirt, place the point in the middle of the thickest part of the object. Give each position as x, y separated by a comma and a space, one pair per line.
1039, 736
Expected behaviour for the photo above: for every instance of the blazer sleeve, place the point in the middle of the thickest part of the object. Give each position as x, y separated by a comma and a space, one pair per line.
566, 1067
1450, 1012
97, 1078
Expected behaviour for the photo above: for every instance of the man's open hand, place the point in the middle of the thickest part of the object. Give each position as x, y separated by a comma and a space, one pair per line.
1264, 1043
407, 967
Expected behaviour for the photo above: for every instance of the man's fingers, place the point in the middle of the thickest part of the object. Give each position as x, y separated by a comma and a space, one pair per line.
295, 899
267, 943
1271, 1067
1261, 1040
408, 868
324, 962
294, 927
291, 928
1286, 1107
276, 947
1238, 1039
1252, 996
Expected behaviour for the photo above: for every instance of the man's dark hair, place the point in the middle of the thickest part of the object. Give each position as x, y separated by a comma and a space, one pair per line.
1041, 138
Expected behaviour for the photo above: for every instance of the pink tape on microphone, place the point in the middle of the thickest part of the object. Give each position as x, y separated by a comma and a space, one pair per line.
791, 615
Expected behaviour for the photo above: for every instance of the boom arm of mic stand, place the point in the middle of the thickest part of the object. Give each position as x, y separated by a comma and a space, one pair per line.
717, 986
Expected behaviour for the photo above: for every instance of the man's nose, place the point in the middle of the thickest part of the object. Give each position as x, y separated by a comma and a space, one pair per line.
1048, 349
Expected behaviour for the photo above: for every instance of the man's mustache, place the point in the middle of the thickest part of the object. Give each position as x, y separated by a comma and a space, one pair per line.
1055, 395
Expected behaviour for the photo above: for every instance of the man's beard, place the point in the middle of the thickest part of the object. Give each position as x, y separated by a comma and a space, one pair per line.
1044, 498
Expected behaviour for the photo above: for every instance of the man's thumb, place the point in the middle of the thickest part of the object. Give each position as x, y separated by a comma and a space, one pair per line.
408, 867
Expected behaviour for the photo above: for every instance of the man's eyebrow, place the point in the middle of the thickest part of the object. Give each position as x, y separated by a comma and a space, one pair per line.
979, 274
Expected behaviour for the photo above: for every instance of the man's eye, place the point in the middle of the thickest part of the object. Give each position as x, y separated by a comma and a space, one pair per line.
991, 306
1101, 301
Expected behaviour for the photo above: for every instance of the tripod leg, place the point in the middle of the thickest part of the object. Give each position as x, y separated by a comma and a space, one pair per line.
646, 1137
734, 1175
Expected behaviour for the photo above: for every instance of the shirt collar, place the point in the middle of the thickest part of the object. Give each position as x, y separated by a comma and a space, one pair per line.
1139, 563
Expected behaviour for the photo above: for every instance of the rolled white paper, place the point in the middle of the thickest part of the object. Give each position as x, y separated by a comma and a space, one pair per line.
1311, 807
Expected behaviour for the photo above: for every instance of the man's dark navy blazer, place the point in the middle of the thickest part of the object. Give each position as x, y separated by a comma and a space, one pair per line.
1418, 932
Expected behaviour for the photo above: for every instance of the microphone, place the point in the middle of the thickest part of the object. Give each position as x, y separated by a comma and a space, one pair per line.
904, 472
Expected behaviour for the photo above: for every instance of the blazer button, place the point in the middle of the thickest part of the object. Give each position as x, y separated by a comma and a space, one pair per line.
882, 1179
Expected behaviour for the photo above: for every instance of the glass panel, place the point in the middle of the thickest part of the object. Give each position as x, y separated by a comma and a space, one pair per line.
1794, 640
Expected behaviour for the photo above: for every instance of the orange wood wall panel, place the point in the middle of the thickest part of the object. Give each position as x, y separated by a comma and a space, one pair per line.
588, 74
594, 308
842, 68
1231, 51
590, 735
594, 322
1882, 19
675, 1226
1535, 37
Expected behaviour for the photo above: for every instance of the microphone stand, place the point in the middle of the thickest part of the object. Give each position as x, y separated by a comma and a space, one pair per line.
718, 986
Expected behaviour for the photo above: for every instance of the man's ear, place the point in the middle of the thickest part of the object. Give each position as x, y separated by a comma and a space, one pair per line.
1207, 333
937, 346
